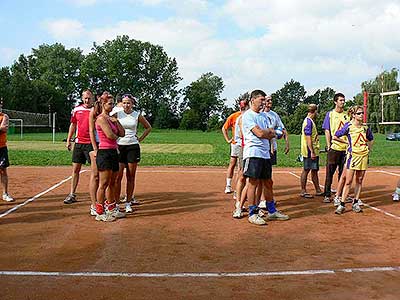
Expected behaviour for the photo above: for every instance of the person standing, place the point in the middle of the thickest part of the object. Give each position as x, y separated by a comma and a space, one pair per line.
235, 148
129, 147
336, 156
360, 141
4, 162
83, 146
310, 152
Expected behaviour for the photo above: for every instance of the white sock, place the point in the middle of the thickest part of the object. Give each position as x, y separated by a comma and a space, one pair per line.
228, 181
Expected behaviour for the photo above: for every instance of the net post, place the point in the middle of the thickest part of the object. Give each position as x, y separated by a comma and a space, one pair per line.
365, 106
54, 127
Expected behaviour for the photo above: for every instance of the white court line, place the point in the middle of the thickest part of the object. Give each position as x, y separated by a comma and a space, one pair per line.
194, 171
389, 173
365, 204
37, 196
198, 275
310, 181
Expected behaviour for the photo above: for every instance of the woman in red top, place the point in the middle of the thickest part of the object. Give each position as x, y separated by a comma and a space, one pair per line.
109, 130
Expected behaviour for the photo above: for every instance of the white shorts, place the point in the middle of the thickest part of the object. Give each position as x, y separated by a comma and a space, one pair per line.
236, 150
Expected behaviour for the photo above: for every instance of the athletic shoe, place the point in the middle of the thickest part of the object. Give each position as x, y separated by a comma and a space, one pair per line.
349, 199
340, 209
7, 197
237, 213
116, 213
105, 217
278, 216
360, 202
128, 208
262, 204
228, 189
356, 207
336, 201
93, 211
256, 220
134, 201
396, 197
327, 199
122, 199
234, 195
71, 198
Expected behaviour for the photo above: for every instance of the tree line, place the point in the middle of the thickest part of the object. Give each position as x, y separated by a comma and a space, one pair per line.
53, 77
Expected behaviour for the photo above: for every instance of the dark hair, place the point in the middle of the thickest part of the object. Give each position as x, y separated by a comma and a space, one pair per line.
132, 98
254, 94
98, 105
337, 95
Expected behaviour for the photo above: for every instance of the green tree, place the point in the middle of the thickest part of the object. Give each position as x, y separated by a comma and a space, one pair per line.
202, 98
5, 85
145, 70
289, 97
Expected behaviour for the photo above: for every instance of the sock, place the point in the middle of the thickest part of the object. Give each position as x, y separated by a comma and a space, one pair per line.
271, 206
355, 201
342, 203
398, 190
252, 210
228, 181
99, 208
109, 206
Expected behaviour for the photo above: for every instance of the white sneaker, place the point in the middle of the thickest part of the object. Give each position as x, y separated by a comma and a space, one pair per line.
356, 207
360, 202
93, 211
128, 208
105, 217
256, 220
7, 197
340, 209
116, 213
336, 201
134, 201
396, 197
262, 204
123, 199
237, 214
228, 189
277, 216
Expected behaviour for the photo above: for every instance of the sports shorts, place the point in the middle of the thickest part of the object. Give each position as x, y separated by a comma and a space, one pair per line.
4, 162
311, 164
80, 153
335, 157
357, 162
258, 168
107, 159
236, 149
129, 153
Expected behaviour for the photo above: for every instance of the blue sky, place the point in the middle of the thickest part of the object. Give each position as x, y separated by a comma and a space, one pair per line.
250, 44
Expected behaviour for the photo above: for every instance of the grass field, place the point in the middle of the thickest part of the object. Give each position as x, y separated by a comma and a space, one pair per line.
178, 147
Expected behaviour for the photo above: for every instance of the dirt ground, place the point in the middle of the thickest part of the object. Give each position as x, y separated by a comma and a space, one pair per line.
184, 225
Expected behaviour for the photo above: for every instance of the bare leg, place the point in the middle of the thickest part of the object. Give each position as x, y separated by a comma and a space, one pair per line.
303, 181
315, 180
130, 180
76, 168
94, 178
358, 185
4, 180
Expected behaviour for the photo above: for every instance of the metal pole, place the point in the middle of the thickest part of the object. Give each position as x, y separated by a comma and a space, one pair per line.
54, 127
365, 106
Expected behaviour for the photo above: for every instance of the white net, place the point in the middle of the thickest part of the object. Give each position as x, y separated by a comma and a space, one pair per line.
30, 119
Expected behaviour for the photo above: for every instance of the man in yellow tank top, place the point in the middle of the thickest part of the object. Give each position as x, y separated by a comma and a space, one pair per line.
4, 162
310, 152
336, 156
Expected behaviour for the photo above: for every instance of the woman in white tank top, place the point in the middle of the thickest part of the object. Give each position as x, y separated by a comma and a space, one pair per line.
129, 147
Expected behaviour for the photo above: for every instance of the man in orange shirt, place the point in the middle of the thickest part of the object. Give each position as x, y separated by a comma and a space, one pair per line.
4, 163
235, 148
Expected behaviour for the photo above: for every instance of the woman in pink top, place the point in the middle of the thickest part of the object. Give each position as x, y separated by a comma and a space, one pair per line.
109, 130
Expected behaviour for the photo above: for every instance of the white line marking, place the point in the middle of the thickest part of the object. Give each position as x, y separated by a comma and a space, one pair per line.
366, 205
390, 173
37, 196
195, 171
197, 275
310, 181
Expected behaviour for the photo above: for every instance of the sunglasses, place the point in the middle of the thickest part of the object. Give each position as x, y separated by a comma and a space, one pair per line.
359, 113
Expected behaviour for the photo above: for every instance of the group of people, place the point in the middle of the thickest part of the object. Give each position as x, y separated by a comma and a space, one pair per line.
106, 137
255, 129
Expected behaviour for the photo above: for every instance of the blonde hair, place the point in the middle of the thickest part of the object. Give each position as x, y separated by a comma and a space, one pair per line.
312, 108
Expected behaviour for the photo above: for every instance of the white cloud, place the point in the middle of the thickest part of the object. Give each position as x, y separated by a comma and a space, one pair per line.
64, 29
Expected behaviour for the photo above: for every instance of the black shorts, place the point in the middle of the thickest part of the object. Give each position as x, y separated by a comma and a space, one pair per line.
129, 153
311, 164
80, 153
107, 159
274, 158
4, 162
256, 167
335, 157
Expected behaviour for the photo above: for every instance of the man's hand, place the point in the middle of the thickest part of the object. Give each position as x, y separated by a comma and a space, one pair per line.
68, 145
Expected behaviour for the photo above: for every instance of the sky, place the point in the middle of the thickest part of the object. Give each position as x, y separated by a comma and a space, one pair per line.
253, 44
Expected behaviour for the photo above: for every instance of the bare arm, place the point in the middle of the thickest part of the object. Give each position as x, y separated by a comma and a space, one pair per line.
310, 146
268, 133
91, 130
225, 133
4, 124
328, 139
286, 136
370, 144
102, 122
147, 128
121, 130
71, 131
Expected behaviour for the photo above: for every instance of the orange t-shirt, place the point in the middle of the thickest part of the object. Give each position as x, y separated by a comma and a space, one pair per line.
3, 134
230, 123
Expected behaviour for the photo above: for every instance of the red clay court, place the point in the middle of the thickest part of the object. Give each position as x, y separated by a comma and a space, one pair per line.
182, 242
